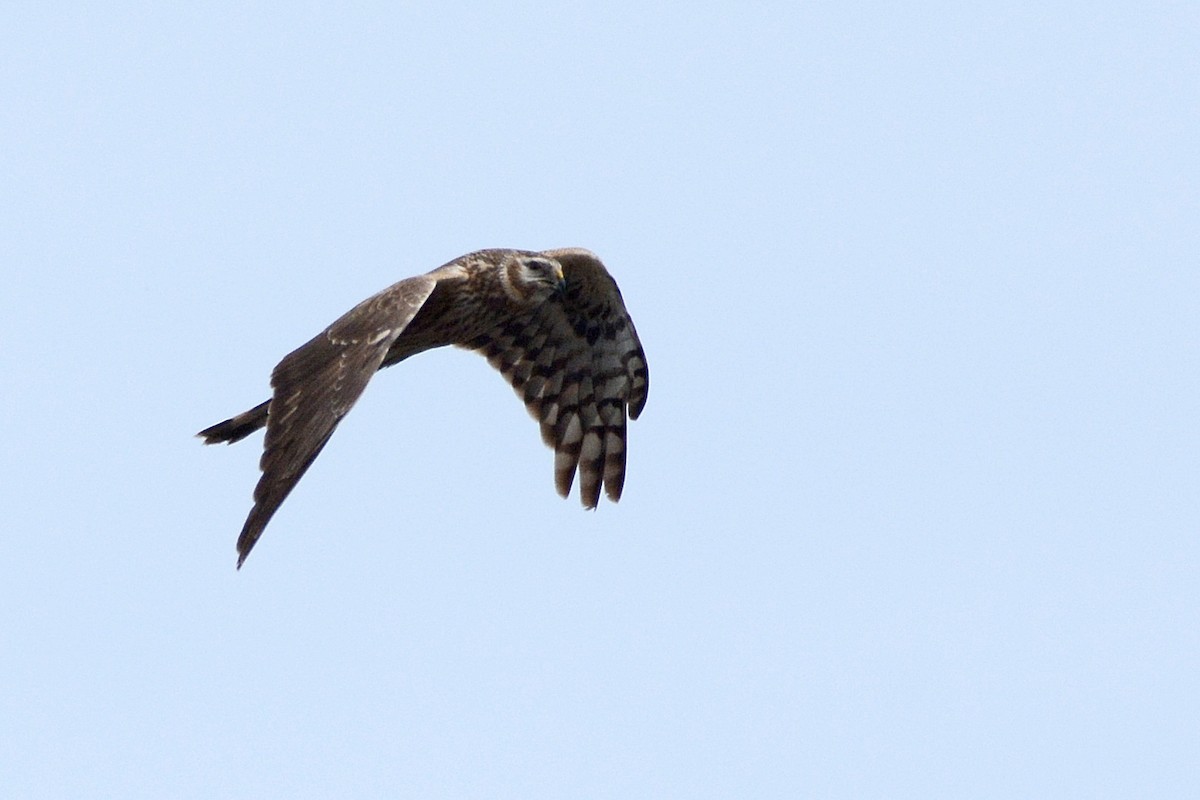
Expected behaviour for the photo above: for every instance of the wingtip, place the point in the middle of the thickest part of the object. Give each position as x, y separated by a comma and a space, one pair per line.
249, 535
243, 549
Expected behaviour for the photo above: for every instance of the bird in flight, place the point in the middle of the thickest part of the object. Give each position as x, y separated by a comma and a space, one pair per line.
553, 322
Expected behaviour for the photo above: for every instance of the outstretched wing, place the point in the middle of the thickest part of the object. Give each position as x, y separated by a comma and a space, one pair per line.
578, 365
316, 385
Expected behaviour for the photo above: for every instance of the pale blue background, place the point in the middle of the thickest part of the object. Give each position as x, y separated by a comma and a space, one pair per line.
911, 512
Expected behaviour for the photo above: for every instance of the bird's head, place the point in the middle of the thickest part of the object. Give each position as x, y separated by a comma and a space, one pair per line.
530, 278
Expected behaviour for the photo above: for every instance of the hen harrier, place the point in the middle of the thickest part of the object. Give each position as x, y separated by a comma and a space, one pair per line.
552, 322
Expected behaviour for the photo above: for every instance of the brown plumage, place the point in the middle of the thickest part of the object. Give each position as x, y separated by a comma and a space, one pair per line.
553, 322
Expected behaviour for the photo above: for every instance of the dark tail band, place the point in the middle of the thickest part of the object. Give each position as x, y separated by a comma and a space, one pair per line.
237, 428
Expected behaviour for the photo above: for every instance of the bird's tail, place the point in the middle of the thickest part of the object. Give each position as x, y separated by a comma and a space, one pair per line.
237, 428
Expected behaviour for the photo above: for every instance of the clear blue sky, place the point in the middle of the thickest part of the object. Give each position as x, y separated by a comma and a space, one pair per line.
912, 509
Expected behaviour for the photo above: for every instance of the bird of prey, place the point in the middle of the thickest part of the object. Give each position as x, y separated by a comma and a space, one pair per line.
553, 322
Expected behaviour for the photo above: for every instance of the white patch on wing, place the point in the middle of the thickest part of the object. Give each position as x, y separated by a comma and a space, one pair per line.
591, 446
573, 432
379, 337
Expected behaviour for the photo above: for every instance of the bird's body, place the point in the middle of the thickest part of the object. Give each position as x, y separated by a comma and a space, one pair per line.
553, 322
